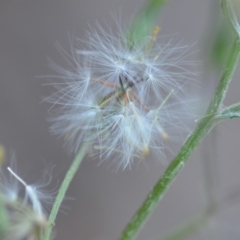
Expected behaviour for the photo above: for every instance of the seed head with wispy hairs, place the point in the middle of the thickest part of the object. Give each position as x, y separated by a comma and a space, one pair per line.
123, 99
25, 214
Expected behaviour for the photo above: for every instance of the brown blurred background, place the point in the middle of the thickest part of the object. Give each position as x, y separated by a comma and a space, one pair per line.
101, 201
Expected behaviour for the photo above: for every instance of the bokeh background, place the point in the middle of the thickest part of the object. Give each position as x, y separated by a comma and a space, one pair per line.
101, 201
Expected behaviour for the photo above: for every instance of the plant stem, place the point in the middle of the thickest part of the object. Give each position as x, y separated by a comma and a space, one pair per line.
232, 111
188, 229
226, 77
204, 126
3, 220
64, 187
202, 220
229, 12
233, 108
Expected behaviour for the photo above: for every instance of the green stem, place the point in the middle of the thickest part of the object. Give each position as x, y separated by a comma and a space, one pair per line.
188, 229
204, 126
232, 111
229, 12
228, 115
226, 77
233, 108
64, 187
3, 220
198, 223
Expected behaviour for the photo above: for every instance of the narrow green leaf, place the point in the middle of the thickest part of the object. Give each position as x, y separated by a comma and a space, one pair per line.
143, 24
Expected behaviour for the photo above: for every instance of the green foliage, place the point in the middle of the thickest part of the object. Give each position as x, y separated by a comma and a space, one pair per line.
220, 47
204, 126
144, 22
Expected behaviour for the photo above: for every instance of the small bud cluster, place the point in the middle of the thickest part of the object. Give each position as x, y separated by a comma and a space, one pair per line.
122, 99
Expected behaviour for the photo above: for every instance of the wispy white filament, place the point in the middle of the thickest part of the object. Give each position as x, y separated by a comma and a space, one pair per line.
30, 193
125, 100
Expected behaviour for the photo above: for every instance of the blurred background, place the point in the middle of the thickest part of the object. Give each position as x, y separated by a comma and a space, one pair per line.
101, 201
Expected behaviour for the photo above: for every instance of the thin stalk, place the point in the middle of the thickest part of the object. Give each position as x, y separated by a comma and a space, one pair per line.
229, 12
229, 115
204, 126
197, 224
188, 229
3, 220
233, 108
64, 187
232, 111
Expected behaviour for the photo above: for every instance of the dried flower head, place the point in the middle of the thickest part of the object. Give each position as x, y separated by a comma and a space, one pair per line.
120, 98
27, 218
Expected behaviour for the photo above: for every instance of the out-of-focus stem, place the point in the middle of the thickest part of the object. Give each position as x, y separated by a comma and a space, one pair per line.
3, 220
64, 187
188, 229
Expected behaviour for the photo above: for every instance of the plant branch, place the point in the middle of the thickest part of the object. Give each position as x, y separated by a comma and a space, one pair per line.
231, 16
4, 221
232, 111
64, 187
196, 224
188, 229
204, 126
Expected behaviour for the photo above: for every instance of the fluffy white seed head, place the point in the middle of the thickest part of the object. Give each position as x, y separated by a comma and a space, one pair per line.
23, 204
120, 98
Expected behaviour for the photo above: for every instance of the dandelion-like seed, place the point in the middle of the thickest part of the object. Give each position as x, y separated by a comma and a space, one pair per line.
121, 99
27, 222
26, 216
